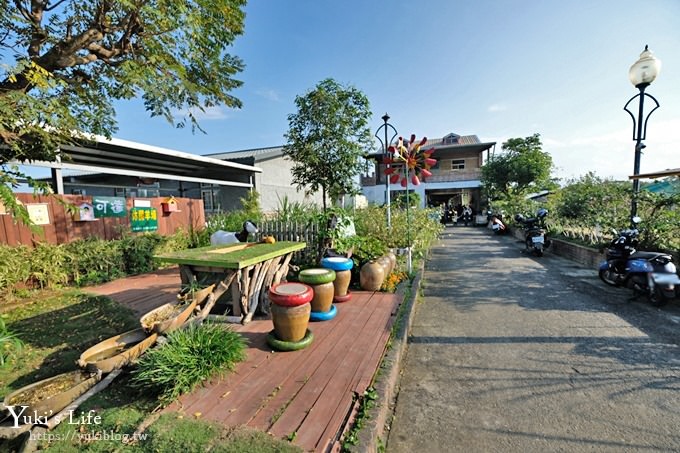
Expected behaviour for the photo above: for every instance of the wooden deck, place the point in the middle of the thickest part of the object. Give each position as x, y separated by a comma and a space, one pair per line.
142, 293
307, 394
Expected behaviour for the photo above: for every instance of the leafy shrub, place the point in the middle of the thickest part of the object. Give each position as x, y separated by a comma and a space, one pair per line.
94, 260
49, 265
14, 267
191, 356
138, 252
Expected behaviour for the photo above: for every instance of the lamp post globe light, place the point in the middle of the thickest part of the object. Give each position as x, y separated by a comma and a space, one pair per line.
641, 74
385, 145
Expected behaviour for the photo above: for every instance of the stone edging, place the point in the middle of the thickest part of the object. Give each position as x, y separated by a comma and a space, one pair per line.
389, 371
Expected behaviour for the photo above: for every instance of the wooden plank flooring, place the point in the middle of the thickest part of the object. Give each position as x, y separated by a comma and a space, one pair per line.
309, 393
142, 293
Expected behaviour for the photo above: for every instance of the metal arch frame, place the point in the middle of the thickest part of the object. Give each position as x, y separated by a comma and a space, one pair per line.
640, 129
385, 146
639, 134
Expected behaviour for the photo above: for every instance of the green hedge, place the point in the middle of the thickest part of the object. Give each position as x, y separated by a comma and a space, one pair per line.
85, 261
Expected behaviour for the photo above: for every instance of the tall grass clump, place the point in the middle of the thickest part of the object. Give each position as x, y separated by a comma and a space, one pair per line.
191, 356
10, 344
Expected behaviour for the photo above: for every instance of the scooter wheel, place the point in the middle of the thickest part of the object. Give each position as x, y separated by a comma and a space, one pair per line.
606, 276
657, 298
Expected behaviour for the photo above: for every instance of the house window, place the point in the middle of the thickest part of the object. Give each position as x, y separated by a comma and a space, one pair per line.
208, 200
450, 139
458, 164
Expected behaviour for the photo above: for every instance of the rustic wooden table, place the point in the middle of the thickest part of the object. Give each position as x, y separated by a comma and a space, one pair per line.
247, 269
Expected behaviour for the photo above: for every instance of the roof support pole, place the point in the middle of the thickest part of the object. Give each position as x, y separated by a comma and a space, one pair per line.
57, 179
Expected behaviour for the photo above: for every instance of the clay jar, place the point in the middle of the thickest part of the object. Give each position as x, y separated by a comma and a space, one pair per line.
371, 276
393, 260
321, 281
385, 262
342, 267
290, 323
290, 310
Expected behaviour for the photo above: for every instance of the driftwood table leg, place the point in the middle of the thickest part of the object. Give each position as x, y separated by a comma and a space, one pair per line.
220, 289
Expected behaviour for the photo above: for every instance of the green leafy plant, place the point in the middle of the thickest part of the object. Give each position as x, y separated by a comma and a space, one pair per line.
93, 261
14, 267
49, 265
191, 356
10, 344
138, 252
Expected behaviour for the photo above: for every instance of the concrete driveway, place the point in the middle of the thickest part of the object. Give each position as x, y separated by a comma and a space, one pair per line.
511, 353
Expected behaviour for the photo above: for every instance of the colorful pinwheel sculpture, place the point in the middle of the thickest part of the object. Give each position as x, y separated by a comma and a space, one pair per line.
408, 162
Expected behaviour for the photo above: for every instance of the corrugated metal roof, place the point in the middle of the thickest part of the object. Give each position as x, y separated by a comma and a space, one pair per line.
257, 153
462, 140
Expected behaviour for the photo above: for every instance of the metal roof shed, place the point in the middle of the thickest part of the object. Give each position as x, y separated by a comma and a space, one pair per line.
122, 157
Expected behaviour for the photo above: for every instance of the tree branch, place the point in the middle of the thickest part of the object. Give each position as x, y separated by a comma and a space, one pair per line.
50, 8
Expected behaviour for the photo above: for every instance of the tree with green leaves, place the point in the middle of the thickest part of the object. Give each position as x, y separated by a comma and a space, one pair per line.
65, 62
327, 139
592, 200
522, 166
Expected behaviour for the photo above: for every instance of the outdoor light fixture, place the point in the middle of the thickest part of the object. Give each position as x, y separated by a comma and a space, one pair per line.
641, 74
386, 144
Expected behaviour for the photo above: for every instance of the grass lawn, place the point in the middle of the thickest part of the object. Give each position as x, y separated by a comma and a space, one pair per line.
55, 327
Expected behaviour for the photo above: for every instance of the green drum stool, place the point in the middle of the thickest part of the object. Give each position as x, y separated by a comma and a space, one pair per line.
321, 280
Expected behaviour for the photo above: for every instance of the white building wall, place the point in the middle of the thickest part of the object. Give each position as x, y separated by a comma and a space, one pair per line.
276, 182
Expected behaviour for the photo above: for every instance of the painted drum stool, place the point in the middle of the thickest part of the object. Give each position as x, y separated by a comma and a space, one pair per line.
321, 280
342, 267
290, 307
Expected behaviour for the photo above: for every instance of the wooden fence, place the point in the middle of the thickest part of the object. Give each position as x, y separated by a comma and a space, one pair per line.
293, 231
62, 228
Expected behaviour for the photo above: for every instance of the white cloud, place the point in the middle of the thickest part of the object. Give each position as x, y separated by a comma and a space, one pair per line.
269, 95
497, 108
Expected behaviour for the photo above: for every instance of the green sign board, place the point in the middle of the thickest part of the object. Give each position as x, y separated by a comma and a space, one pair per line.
109, 207
143, 219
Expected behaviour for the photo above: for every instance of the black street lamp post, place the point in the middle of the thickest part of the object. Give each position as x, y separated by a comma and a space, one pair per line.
386, 144
641, 74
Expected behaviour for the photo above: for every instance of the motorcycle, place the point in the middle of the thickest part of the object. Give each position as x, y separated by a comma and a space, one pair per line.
497, 225
650, 274
467, 216
534, 232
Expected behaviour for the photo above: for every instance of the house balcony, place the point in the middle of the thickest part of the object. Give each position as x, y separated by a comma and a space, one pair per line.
470, 174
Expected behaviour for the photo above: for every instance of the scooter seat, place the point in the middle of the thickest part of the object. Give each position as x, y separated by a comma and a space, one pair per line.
645, 255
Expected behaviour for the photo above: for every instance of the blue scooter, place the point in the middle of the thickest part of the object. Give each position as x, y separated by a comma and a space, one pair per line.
650, 274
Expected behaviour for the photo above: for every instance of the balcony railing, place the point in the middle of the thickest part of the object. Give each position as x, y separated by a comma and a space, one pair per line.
438, 175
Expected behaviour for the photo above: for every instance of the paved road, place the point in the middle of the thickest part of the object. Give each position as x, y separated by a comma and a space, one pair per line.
510, 353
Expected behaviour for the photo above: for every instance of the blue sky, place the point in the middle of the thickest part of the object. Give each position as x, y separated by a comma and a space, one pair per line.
495, 68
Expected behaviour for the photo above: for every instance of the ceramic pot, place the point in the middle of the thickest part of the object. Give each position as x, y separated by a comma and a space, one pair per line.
393, 260
290, 323
371, 276
385, 262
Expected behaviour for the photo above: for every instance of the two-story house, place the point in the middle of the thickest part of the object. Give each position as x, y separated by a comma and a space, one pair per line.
456, 178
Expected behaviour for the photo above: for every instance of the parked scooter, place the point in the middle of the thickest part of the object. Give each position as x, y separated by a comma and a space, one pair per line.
497, 225
534, 232
650, 274
467, 215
